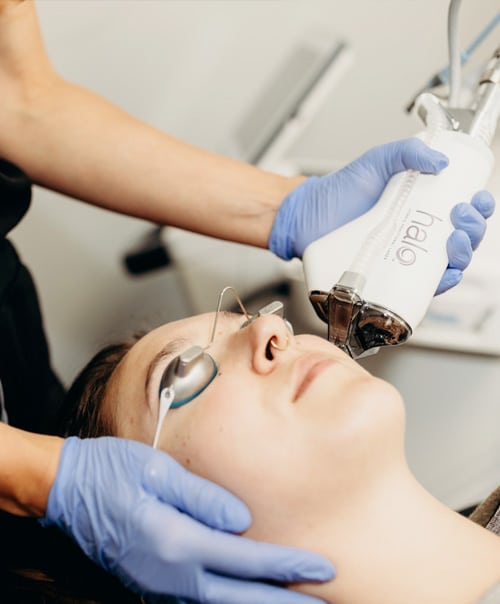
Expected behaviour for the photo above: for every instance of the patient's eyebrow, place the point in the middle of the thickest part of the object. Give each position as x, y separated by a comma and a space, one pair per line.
169, 349
173, 347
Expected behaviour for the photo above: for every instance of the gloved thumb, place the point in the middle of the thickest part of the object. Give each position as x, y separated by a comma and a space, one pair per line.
408, 154
197, 497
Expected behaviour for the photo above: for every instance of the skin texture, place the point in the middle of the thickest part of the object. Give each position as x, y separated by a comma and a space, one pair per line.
254, 399
315, 446
28, 468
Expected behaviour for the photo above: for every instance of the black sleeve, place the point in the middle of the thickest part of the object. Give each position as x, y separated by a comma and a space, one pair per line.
33, 393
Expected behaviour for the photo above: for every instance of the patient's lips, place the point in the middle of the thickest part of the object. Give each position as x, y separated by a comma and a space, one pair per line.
307, 369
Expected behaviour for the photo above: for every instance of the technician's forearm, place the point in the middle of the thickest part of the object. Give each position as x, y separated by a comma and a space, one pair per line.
70, 140
28, 467
77, 143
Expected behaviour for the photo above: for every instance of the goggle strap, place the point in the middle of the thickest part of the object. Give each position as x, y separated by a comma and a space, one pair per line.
167, 396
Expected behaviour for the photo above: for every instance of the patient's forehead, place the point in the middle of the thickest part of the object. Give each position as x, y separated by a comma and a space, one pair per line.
194, 330
181, 334
197, 326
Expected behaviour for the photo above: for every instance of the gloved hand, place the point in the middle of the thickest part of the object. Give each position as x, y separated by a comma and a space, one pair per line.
322, 204
469, 220
140, 515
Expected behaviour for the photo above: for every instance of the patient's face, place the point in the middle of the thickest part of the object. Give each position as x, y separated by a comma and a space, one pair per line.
274, 425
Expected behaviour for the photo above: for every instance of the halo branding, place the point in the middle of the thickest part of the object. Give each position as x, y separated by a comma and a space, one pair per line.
412, 244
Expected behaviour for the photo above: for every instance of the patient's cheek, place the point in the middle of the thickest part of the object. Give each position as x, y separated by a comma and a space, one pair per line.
197, 430
178, 444
215, 444
190, 441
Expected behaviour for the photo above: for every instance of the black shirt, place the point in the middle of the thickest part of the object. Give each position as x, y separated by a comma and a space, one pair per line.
33, 393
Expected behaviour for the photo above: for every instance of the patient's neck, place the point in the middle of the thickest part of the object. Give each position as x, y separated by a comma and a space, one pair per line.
395, 543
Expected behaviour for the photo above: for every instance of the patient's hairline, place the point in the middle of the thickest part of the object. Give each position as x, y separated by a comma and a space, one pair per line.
86, 412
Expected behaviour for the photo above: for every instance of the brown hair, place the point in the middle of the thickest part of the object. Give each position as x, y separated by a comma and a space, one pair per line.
82, 413
43, 566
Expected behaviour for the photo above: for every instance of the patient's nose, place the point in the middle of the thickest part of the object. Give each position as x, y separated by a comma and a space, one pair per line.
269, 338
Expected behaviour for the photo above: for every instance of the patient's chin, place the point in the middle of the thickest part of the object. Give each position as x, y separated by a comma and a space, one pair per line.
368, 399
383, 406
384, 417
368, 428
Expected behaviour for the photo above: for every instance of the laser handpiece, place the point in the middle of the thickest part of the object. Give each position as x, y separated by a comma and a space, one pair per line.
387, 264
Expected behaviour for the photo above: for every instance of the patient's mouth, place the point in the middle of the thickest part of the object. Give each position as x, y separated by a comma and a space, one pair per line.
309, 372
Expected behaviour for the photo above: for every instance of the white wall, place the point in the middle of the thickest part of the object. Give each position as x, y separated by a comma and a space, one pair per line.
193, 69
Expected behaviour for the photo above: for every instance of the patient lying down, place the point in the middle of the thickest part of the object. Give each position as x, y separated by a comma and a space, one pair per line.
313, 444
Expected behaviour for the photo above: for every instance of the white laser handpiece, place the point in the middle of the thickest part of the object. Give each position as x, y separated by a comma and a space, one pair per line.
386, 264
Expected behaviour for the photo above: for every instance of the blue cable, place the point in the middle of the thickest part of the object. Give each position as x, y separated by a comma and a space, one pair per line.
444, 75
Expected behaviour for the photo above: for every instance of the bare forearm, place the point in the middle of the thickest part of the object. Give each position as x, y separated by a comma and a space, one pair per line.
81, 145
70, 140
28, 468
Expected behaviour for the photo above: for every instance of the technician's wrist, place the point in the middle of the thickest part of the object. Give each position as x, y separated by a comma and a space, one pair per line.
282, 239
28, 469
46, 455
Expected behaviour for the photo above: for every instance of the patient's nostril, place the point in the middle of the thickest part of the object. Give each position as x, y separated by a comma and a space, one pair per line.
269, 351
273, 343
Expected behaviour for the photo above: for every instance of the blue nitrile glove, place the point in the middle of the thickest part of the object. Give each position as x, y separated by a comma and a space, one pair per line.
470, 221
322, 204
158, 528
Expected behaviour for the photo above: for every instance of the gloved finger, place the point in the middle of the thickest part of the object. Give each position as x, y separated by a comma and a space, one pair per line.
467, 218
222, 590
201, 499
408, 154
180, 542
484, 203
236, 556
459, 250
450, 278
